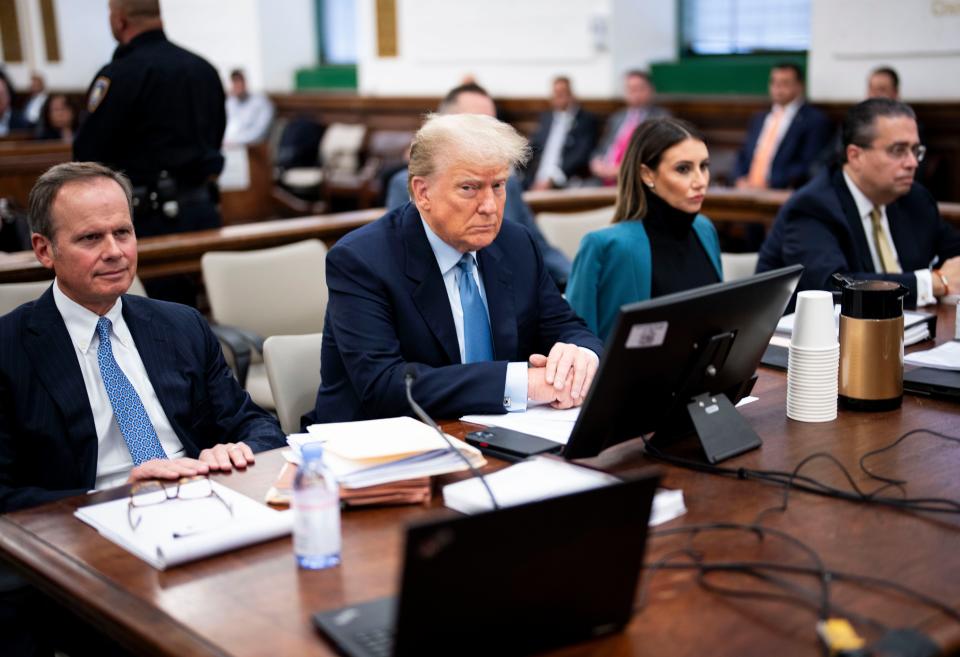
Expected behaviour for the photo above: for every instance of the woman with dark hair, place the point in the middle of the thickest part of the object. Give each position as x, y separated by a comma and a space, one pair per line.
58, 119
658, 243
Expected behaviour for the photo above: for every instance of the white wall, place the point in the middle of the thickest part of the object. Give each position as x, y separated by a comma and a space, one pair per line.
919, 38
269, 39
514, 48
85, 44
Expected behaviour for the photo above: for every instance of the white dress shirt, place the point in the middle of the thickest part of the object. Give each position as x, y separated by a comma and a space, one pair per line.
113, 457
550, 162
515, 385
31, 111
864, 208
248, 120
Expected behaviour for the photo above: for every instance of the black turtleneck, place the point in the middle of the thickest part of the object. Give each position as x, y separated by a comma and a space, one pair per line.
679, 259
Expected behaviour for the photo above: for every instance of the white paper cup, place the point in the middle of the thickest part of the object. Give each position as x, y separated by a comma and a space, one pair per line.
813, 326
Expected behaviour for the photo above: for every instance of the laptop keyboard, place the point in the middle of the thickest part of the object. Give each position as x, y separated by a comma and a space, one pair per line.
378, 643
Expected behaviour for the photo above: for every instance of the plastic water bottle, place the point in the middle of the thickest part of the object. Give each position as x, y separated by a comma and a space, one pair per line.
316, 512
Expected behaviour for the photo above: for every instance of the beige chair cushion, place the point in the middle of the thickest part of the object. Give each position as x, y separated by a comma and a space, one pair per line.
278, 291
293, 368
17, 294
738, 265
565, 230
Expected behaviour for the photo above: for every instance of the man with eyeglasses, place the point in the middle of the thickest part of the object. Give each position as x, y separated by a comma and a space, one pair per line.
867, 218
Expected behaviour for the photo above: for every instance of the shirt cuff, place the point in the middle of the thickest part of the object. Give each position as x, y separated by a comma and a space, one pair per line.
924, 287
590, 352
515, 387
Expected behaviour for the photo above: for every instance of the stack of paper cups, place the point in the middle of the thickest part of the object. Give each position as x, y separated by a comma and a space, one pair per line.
814, 360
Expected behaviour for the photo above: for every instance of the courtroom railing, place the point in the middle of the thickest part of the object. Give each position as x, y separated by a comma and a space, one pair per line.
180, 253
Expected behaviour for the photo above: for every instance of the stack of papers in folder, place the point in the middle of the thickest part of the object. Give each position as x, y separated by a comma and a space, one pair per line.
372, 452
407, 491
181, 530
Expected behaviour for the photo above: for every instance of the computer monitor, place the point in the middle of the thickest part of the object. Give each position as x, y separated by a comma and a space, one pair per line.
676, 364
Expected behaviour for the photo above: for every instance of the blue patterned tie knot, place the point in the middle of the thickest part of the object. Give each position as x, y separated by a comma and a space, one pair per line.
477, 343
132, 418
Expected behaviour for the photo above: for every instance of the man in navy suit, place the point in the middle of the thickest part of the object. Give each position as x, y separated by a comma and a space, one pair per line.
98, 388
471, 98
784, 142
59, 428
563, 142
444, 285
868, 218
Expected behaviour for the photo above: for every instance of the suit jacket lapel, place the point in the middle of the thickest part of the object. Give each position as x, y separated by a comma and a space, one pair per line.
48, 343
498, 285
903, 238
429, 293
161, 356
853, 222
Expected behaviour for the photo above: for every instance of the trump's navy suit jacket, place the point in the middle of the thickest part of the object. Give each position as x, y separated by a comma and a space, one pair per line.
48, 441
388, 307
797, 153
819, 227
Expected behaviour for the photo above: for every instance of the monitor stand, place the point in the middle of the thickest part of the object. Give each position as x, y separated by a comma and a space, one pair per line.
722, 432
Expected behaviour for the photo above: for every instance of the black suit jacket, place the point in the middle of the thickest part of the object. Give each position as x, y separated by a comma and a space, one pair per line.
389, 307
577, 147
820, 228
48, 441
798, 151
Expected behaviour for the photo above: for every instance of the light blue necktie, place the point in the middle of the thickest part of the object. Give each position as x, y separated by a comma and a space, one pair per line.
135, 425
477, 343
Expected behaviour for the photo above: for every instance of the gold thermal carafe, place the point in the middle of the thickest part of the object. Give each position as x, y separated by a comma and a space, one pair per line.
871, 345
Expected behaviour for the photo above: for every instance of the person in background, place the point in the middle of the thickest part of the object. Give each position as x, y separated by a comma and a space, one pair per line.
58, 120
884, 82
784, 143
157, 112
638, 93
11, 120
471, 98
33, 108
867, 218
248, 115
659, 242
562, 143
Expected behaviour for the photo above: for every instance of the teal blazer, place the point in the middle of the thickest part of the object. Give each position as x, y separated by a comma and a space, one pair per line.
613, 268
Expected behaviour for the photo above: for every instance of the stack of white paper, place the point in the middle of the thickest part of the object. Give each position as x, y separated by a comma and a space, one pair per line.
181, 530
540, 478
915, 327
944, 357
544, 421
372, 452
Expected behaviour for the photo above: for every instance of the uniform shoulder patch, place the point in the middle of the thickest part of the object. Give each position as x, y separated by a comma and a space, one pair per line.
97, 93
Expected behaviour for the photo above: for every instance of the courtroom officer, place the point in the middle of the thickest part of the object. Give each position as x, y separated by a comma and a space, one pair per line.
156, 112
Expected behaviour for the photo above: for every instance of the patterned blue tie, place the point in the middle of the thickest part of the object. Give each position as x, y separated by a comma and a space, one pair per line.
477, 343
135, 425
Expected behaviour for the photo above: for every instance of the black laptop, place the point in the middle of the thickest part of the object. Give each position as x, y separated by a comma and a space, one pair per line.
930, 382
509, 582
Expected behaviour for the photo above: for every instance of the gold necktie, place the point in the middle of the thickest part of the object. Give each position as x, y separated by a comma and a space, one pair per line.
882, 242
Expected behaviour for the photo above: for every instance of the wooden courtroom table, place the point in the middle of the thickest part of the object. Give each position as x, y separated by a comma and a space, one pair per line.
254, 601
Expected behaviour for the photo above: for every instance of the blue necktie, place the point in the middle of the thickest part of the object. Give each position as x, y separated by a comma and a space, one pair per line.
477, 343
135, 425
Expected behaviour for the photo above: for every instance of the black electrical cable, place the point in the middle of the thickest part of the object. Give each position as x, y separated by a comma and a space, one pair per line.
804, 483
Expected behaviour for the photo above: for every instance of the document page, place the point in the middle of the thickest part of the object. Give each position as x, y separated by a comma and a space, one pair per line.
181, 530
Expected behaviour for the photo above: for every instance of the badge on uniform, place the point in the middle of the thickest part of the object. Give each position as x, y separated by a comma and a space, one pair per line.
97, 93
